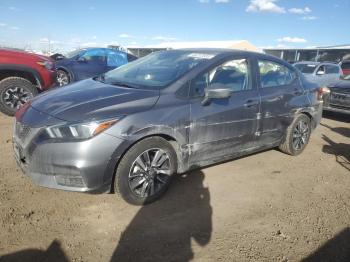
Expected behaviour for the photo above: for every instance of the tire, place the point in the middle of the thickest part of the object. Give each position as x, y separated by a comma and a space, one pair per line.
14, 92
297, 136
131, 180
62, 77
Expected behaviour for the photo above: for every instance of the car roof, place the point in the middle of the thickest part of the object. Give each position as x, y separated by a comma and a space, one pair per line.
315, 63
227, 51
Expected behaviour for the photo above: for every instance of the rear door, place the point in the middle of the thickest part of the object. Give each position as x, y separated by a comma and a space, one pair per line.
224, 127
281, 94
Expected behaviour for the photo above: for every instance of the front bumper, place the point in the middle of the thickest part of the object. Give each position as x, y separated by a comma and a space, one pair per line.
85, 166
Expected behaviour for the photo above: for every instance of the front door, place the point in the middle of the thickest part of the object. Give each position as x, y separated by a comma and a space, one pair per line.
224, 127
90, 64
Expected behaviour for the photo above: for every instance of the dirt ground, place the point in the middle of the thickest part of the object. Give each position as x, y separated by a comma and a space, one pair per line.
265, 207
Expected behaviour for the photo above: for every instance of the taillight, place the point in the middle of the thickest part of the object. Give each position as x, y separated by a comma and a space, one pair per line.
321, 92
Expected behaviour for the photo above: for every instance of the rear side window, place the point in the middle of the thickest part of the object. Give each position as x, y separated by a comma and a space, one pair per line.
116, 58
273, 74
330, 69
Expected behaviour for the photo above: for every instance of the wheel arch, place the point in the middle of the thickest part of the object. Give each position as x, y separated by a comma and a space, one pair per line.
126, 147
25, 72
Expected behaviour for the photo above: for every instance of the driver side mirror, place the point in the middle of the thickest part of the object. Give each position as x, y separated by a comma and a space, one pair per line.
215, 91
82, 59
320, 73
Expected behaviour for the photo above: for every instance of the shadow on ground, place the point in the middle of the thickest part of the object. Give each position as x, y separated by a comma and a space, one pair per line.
163, 231
341, 151
53, 254
335, 250
344, 131
337, 116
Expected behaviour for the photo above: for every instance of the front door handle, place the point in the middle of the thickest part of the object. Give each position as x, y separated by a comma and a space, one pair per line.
251, 103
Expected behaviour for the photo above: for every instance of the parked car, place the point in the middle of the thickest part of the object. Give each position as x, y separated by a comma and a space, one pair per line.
131, 129
322, 73
22, 76
338, 99
89, 62
345, 66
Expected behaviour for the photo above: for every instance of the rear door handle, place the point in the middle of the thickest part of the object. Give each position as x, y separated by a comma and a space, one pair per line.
251, 103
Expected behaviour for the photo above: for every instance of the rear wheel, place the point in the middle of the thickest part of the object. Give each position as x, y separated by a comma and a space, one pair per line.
145, 171
62, 77
297, 136
14, 92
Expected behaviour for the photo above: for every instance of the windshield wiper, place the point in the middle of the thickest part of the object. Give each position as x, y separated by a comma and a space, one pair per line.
116, 83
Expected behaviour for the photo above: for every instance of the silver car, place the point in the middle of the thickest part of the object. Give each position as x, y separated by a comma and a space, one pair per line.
324, 74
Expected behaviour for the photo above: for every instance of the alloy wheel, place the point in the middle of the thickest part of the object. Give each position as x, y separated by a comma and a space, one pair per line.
150, 172
15, 96
300, 135
62, 78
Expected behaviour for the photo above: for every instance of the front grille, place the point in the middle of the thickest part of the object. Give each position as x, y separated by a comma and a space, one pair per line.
22, 131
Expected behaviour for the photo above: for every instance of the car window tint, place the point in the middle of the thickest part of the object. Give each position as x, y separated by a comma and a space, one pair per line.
233, 74
95, 55
273, 74
115, 58
331, 69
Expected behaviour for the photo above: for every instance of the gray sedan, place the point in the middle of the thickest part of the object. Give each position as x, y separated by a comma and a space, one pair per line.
131, 129
324, 74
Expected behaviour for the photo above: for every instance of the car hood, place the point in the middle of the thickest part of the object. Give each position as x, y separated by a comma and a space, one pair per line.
92, 100
62, 62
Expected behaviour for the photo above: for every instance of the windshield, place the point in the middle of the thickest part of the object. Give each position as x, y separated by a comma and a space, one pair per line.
156, 70
306, 68
73, 53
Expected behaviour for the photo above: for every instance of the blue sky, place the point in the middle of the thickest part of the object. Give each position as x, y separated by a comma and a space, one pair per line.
265, 23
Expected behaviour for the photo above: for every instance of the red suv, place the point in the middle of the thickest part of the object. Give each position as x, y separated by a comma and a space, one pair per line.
22, 76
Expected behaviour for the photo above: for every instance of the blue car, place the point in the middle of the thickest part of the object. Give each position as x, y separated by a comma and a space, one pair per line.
89, 62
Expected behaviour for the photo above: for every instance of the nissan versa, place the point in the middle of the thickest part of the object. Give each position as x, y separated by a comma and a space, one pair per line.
131, 129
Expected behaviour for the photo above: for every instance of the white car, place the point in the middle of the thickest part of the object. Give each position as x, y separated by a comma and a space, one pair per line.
322, 73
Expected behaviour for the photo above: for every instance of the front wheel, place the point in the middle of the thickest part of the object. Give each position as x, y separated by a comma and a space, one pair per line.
297, 136
14, 92
145, 171
62, 77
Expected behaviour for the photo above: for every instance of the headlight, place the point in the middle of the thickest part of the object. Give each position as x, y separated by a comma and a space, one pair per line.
47, 64
79, 131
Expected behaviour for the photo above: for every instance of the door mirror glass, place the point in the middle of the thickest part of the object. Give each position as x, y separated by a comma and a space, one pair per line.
216, 91
321, 71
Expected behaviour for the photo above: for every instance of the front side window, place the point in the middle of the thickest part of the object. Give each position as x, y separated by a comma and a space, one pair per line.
233, 74
273, 74
94, 55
